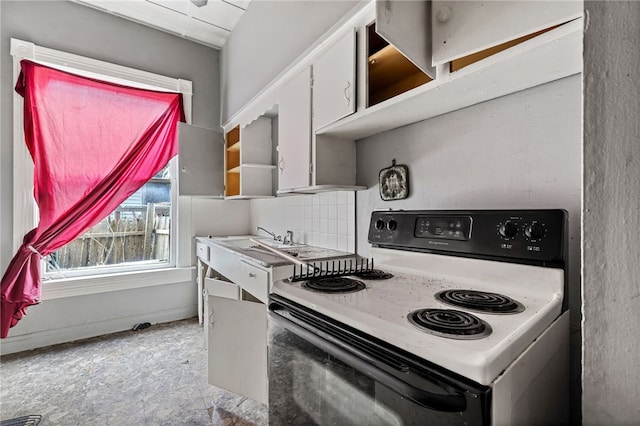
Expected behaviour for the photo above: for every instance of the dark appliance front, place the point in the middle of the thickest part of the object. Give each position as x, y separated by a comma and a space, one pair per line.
322, 372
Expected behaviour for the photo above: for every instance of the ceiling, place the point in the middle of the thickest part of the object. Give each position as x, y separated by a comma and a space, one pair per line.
209, 24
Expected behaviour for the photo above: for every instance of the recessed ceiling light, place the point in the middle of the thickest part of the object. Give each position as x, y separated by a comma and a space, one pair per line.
199, 3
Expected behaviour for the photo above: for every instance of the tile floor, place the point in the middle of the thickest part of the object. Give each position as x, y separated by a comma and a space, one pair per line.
155, 376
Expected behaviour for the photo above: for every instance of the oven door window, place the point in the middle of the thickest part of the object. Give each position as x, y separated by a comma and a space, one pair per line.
313, 381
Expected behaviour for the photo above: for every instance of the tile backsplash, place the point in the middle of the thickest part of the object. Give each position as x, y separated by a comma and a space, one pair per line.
324, 220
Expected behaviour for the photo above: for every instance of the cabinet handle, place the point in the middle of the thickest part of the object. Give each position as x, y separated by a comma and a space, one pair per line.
347, 93
252, 275
281, 164
211, 318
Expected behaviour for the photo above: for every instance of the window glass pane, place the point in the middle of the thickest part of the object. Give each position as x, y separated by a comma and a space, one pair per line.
134, 234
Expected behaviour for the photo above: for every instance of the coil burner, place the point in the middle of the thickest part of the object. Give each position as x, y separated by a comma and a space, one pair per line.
374, 274
334, 285
480, 301
450, 323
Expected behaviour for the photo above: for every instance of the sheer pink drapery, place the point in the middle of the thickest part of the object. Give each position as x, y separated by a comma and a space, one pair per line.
93, 144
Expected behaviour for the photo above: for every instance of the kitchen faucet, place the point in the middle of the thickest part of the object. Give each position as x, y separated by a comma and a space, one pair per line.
288, 239
275, 237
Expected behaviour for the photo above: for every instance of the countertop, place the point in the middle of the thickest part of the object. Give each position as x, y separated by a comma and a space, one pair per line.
242, 246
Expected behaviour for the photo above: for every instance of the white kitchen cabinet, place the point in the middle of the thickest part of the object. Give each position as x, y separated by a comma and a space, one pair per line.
461, 28
237, 346
236, 293
294, 132
308, 163
334, 81
248, 163
406, 25
393, 91
200, 161
255, 280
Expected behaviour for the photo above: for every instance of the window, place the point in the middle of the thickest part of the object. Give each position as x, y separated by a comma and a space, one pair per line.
136, 235
141, 233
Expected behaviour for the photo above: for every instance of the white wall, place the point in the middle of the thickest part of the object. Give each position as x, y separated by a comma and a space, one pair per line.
81, 30
516, 152
220, 218
611, 251
323, 220
268, 37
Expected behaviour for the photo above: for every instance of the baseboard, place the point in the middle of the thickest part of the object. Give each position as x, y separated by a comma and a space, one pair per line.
82, 331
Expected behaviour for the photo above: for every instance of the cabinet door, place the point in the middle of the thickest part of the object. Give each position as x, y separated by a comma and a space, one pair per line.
464, 27
201, 161
407, 26
334, 76
237, 347
294, 132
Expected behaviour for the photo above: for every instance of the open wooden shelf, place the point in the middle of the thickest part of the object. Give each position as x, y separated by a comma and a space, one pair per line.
389, 72
460, 63
233, 136
232, 164
232, 186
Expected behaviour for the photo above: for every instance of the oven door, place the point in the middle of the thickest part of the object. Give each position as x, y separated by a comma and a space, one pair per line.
322, 372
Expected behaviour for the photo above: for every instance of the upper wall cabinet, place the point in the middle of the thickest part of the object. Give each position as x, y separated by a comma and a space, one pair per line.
294, 132
406, 25
334, 81
482, 50
248, 164
461, 28
200, 161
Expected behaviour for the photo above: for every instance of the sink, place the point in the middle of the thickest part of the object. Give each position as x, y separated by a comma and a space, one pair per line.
281, 246
245, 243
267, 251
301, 251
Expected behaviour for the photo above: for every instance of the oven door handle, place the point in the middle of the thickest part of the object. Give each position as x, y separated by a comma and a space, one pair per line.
450, 402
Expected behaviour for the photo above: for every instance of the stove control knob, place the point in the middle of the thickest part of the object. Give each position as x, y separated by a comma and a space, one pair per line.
392, 225
509, 229
535, 230
379, 224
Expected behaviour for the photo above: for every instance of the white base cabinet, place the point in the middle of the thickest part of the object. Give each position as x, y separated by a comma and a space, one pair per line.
235, 294
237, 349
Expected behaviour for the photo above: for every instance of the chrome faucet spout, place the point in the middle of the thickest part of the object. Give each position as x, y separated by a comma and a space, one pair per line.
275, 237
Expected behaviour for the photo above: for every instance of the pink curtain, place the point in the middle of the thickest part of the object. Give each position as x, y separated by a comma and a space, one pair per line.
93, 144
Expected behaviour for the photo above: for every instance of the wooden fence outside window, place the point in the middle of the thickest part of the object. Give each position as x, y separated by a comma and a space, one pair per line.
129, 234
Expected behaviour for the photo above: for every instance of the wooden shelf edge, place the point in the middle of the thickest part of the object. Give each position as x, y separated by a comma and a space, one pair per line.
314, 189
234, 147
235, 169
258, 166
246, 197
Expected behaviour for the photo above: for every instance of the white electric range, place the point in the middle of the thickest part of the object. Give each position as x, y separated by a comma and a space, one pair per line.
460, 321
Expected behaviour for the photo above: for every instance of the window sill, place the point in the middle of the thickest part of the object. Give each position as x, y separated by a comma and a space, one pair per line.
82, 286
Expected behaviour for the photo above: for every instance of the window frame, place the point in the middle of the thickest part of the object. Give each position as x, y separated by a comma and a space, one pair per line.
23, 200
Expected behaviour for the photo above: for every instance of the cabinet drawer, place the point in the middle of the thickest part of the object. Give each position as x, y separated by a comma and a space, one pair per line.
255, 281
219, 288
202, 251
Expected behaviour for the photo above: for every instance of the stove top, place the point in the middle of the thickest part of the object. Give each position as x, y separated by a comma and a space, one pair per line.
382, 309
455, 303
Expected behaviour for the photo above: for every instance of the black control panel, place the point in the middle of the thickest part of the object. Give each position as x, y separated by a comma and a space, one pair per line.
525, 235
